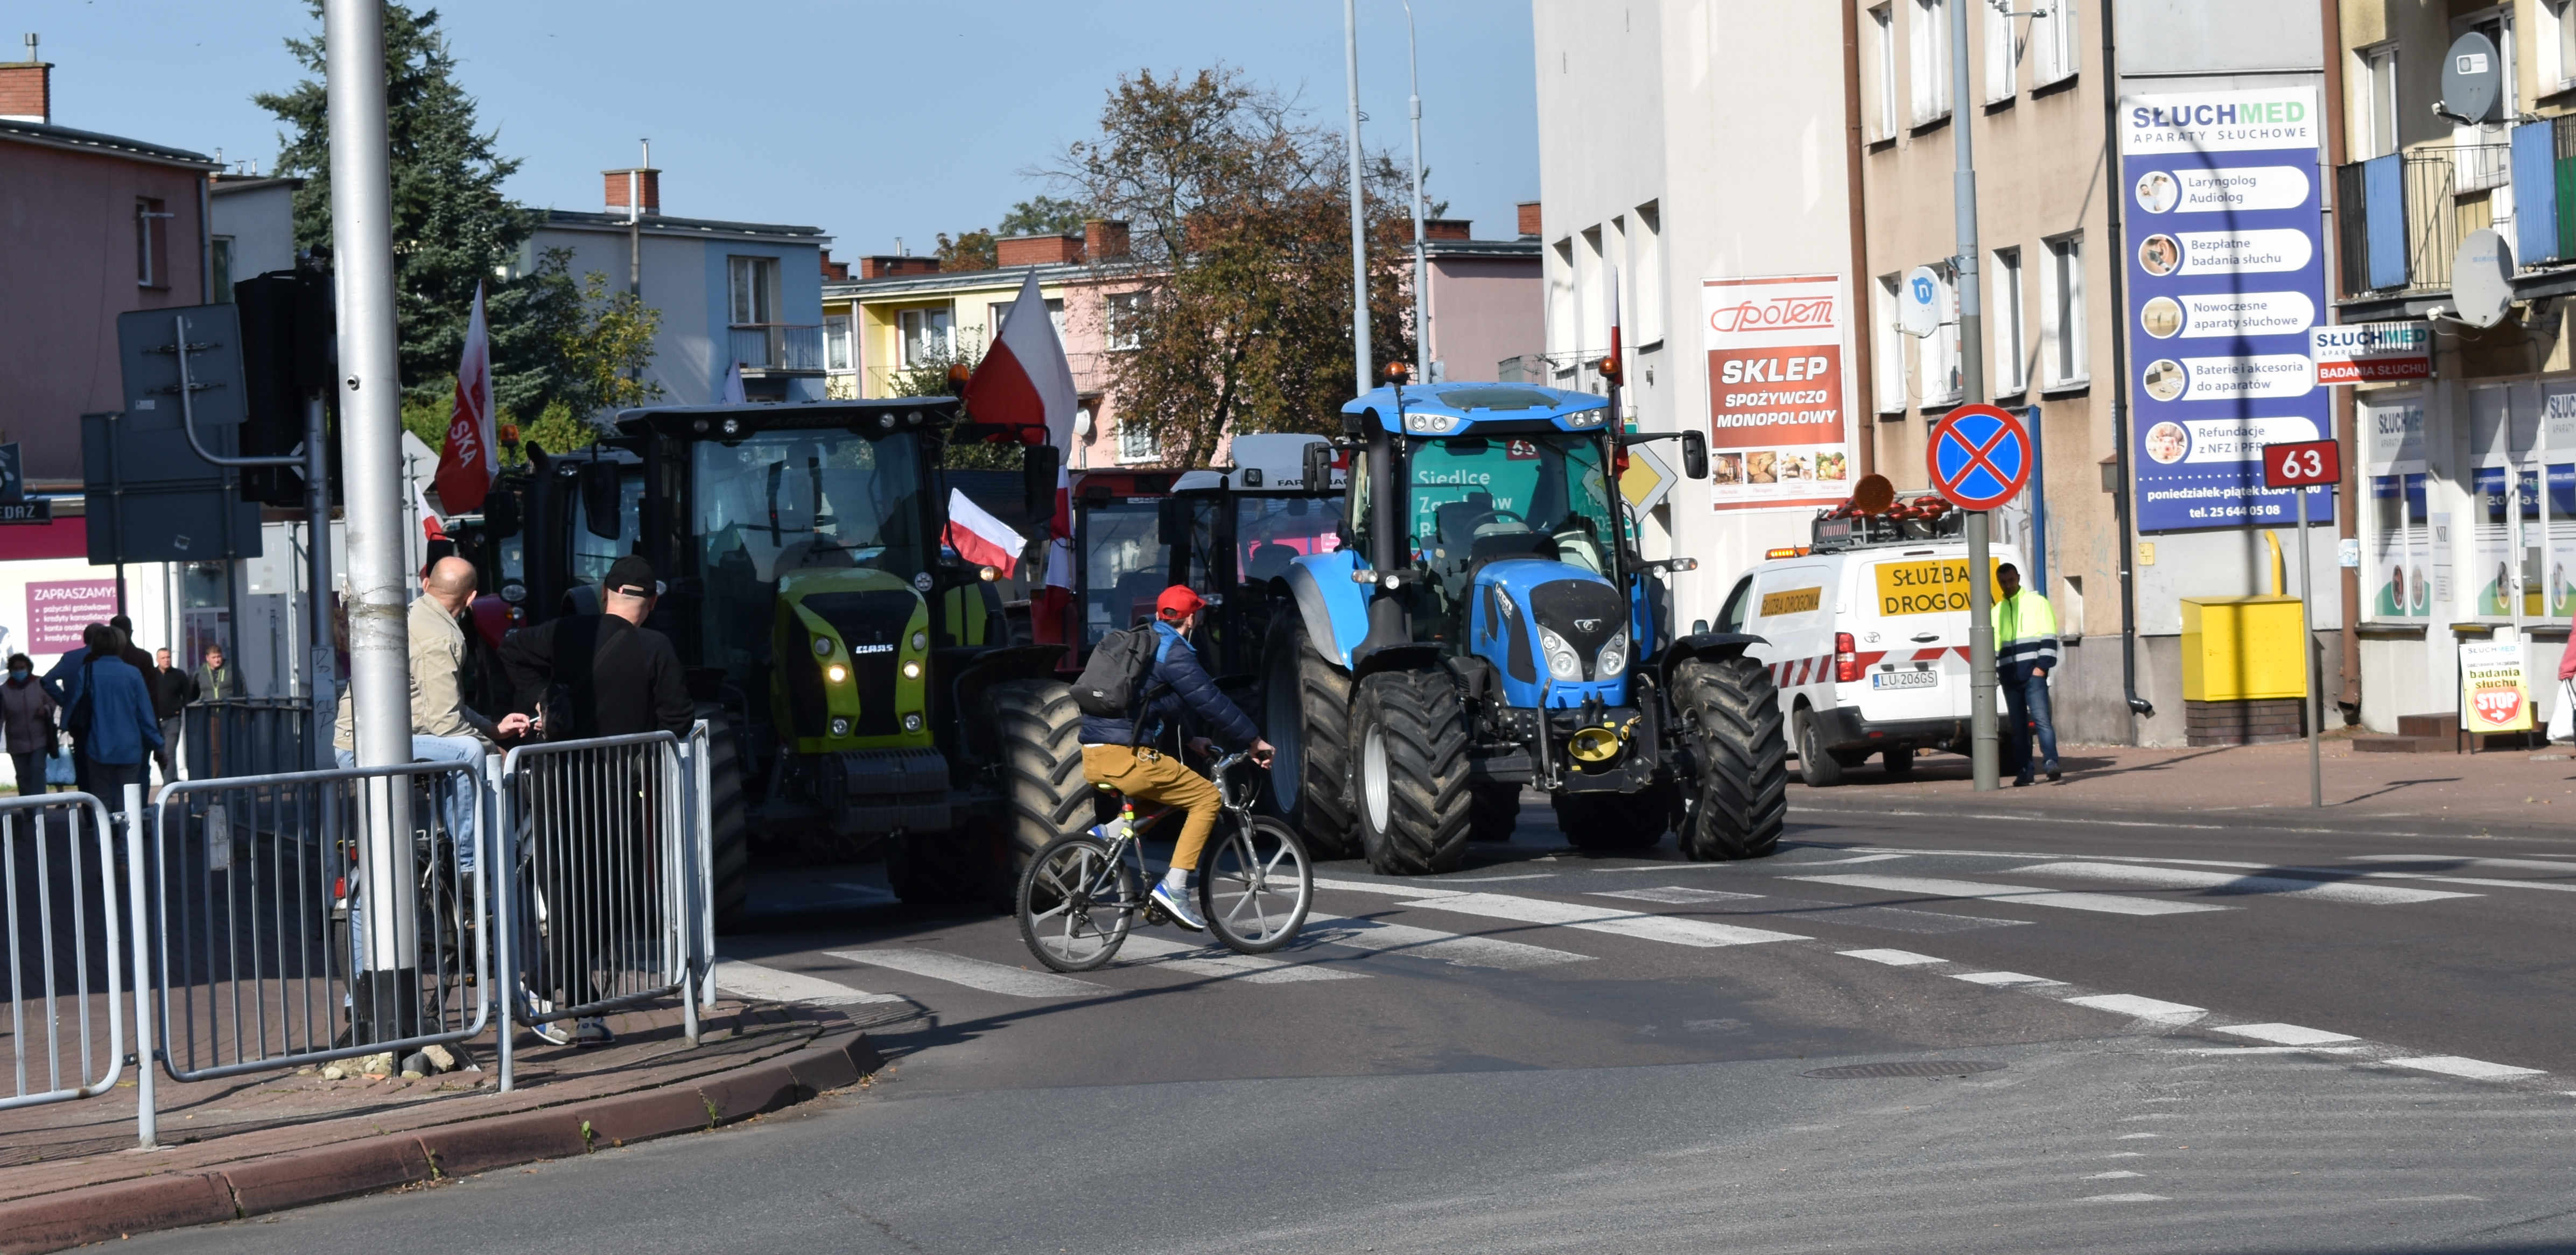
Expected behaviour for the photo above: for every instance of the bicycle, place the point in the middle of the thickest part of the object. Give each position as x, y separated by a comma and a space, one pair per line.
1081, 895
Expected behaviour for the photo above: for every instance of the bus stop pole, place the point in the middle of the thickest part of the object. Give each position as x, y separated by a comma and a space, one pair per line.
1984, 747
2308, 669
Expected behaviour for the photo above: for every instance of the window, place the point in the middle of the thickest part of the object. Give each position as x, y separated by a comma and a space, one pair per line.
1136, 443
2054, 54
925, 335
2557, 46
151, 244
1941, 382
2004, 321
1889, 363
2061, 311
220, 251
836, 342
1882, 111
1648, 244
994, 313
1930, 22
2378, 124
1124, 331
754, 290
2001, 60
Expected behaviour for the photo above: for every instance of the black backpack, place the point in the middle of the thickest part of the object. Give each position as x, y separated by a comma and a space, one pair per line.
1112, 684
78, 721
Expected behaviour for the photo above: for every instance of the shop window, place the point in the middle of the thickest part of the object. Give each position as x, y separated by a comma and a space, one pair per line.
2403, 559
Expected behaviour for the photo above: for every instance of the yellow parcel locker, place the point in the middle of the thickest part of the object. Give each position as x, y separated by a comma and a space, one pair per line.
2241, 649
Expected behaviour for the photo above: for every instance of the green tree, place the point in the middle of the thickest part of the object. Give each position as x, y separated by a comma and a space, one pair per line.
1238, 211
452, 226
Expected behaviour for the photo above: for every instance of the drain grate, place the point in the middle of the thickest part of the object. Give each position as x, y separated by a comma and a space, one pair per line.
1904, 1067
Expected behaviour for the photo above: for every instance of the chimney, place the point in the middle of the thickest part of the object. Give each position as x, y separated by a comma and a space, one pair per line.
26, 88
1529, 219
1038, 250
1104, 239
648, 185
834, 270
1448, 229
882, 266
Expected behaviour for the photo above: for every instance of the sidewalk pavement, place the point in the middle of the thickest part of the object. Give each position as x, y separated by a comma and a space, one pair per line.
2521, 792
70, 1172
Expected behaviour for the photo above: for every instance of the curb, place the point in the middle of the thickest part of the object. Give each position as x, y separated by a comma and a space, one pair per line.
275, 1183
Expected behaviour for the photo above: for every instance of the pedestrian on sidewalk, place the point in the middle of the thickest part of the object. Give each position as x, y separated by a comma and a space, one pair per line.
134, 655
117, 707
172, 690
27, 724
2025, 652
214, 680
600, 675
63, 684
443, 728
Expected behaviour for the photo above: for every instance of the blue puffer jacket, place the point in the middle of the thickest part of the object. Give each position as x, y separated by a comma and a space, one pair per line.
1179, 694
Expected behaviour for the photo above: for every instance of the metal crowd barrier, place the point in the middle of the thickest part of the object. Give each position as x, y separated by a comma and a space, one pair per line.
232, 737
270, 950
67, 952
605, 881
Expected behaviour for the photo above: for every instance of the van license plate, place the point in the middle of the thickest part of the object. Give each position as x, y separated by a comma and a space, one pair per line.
1905, 680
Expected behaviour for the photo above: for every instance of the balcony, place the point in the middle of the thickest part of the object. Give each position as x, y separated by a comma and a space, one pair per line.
777, 350
2404, 216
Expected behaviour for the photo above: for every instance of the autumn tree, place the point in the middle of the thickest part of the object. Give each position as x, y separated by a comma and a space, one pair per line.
1239, 220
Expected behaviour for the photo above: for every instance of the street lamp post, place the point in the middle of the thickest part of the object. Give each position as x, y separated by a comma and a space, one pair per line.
1421, 265
1361, 366
1983, 745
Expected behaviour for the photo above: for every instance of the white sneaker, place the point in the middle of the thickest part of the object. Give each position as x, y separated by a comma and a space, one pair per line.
1178, 904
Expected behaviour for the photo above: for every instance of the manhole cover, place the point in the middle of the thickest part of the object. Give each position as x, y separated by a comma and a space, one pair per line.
1904, 1067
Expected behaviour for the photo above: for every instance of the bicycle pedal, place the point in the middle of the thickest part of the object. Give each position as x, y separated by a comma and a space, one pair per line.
1156, 916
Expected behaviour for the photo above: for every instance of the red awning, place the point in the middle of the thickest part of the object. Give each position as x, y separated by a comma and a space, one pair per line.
62, 538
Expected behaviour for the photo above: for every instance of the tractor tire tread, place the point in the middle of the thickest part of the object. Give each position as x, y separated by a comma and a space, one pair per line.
1741, 796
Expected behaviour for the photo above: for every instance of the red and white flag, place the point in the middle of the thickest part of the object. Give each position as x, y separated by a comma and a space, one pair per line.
1025, 380
467, 464
980, 538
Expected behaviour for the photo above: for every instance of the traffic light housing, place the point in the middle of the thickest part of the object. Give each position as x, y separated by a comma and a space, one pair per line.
288, 342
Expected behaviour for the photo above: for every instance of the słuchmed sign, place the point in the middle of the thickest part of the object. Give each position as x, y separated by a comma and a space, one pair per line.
2371, 352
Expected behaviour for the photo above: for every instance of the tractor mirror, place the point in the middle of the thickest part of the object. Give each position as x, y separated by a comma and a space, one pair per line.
601, 507
1319, 465
1038, 463
1695, 454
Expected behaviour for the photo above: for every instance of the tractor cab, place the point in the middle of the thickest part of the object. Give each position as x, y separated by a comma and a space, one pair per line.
1234, 531
1121, 558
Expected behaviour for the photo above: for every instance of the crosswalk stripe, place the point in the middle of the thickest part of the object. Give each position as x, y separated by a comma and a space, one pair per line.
1892, 958
2531, 864
957, 969
2285, 1034
1204, 960
2474, 1069
768, 984
2003, 978
1425, 943
1674, 895
2141, 1008
1395, 887
2105, 903
2221, 882
1680, 932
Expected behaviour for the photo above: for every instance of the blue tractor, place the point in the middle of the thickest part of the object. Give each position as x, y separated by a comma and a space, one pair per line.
1489, 625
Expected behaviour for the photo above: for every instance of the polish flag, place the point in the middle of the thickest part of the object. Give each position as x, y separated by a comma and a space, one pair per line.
1024, 380
466, 466
980, 538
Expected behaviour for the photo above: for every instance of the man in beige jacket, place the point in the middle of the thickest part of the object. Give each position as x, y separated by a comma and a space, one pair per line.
443, 728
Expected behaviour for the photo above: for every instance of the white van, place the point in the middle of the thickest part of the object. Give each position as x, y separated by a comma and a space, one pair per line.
1868, 641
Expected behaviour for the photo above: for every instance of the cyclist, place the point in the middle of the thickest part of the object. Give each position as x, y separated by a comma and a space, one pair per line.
1130, 755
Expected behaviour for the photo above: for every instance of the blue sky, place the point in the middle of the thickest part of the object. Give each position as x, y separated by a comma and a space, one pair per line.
872, 120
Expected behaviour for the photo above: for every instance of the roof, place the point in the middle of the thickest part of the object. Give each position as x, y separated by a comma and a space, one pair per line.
664, 224
226, 186
1481, 248
998, 278
1445, 409
107, 145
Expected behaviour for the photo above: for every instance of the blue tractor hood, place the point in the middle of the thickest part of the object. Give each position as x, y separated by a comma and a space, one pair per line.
1554, 631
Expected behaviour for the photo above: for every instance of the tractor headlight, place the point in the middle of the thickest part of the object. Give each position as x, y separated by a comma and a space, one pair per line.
822, 647
836, 673
1430, 424
920, 641
1561, 660
912, 723
912, 668
840, 727
1614, 658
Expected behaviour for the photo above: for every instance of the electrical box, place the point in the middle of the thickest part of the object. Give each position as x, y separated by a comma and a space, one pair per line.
2238, 649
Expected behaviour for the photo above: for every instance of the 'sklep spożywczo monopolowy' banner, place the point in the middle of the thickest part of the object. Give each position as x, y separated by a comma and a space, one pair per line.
1777, 429
2226, 267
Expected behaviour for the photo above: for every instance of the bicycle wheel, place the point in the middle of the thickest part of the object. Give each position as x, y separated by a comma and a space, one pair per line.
1256, 885
1077, 901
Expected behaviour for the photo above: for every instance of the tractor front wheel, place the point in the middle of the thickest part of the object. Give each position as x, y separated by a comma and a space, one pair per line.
1410, 772
1305, 715
1738, 796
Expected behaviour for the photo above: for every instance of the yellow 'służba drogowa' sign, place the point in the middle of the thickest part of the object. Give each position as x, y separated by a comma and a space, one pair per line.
1931, 586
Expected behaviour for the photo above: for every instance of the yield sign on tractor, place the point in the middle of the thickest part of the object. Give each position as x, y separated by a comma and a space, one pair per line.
1979, 457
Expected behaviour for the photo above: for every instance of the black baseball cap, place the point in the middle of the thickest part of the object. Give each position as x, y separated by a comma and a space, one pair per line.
632, 575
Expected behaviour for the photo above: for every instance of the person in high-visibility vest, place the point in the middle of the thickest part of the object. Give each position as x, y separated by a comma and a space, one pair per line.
2025, 652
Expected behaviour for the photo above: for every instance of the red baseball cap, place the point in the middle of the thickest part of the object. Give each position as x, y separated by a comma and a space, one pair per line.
1178, 602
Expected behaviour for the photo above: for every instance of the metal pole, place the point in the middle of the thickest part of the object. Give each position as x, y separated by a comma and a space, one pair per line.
2038, 490
1972, 389
1362, 367
1421, 262
322, 662
2307, 657
147, 1118
370, 408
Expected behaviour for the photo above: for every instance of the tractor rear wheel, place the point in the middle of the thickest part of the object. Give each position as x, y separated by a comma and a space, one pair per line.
1605, 822
1036, 731
1737, 799
1306, 715
1493, 810
1410, 772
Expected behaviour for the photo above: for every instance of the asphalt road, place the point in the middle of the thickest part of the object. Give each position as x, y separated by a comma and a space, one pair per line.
2158, 1037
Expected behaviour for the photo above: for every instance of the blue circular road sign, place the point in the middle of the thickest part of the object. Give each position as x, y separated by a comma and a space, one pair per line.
1979, 457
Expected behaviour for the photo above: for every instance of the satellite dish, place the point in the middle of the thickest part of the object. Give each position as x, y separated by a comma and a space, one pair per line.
2472, 79
1081, 422
1920, 306
1872, 495
2482, 279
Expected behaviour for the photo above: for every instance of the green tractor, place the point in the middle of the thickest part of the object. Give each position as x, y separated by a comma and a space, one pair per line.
864, 680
